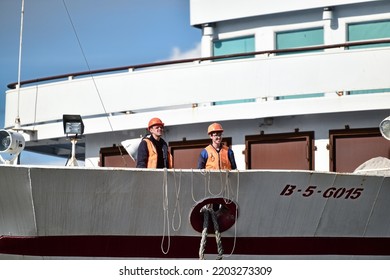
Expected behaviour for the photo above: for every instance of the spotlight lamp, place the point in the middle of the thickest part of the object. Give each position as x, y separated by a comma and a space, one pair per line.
73, 128
73, 125
11, 143
384, 128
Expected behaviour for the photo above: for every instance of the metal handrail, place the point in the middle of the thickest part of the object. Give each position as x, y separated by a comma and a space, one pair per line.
180, 61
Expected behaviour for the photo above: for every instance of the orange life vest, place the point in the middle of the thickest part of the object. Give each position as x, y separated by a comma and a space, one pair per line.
152, 159
217, 160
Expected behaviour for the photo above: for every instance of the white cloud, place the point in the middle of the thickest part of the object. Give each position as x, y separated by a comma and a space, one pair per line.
178, 54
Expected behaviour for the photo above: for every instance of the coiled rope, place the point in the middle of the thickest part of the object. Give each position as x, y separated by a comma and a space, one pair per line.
208, 211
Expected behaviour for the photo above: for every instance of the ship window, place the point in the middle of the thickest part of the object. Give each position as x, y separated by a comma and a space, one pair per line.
291, 151
369, 91
299, 39
311, 95
369, 31
352, 147
234, 46
227, 102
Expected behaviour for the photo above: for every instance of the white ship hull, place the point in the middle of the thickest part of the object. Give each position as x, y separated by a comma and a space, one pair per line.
132, 213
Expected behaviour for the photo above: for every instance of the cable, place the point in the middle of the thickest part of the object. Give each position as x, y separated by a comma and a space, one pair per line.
92, 77
86, 62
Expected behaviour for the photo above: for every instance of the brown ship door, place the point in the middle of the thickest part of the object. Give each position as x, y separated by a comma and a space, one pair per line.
293, 151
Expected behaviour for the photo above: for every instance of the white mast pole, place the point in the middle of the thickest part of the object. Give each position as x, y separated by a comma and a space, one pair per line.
17, 119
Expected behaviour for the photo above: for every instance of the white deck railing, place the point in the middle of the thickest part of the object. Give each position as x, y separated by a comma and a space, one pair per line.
198, 83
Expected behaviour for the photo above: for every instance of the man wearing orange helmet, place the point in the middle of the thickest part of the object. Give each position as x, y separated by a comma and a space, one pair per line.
216, 155
153, 150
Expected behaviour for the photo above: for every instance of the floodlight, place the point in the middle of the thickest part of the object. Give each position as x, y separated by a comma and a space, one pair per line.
73, 125
384, 128
11, 143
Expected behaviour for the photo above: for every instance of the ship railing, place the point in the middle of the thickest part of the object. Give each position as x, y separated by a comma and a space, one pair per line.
198, 59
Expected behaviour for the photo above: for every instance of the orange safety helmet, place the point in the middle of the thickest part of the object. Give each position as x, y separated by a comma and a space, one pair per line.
155, 121
214, 127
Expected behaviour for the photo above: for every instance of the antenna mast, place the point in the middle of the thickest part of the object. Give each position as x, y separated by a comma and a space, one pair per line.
17, 119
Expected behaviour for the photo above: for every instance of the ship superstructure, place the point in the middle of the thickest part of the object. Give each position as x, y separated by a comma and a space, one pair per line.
301, 85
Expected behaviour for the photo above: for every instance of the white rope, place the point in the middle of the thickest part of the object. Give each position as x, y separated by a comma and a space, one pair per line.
192, 186
208, 186
207, 183
236, 217
228, 190
203, 172
165, 213
177, 204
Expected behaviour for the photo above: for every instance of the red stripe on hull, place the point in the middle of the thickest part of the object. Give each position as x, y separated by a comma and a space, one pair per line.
188, 247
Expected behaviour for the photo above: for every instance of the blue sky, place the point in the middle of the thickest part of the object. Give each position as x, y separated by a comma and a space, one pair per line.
112, 33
